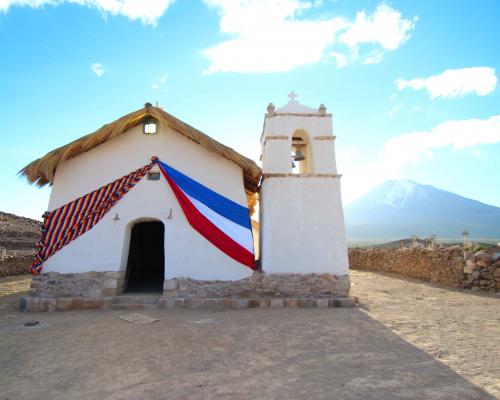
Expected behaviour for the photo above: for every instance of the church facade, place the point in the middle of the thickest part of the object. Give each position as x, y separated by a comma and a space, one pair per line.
150, 205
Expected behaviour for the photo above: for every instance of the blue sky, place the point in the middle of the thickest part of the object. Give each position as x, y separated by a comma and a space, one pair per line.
412, 84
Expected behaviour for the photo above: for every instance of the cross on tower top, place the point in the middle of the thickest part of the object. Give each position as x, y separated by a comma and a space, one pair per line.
292, 96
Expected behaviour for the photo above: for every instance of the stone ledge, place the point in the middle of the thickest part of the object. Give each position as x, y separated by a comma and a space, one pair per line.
291, 175
324, 137
277, 114
44, 304
276, 137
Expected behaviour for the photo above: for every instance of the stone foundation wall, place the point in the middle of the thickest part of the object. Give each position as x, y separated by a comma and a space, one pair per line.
102, 290
451, 266
105, 284
262, 285
88, 284
15, 265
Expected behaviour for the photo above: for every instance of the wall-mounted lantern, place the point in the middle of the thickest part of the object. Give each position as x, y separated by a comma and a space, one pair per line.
150, 125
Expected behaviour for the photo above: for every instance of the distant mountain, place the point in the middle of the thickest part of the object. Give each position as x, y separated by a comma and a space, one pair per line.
398, 209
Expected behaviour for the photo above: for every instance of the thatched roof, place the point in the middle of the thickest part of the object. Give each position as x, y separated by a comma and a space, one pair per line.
42, 170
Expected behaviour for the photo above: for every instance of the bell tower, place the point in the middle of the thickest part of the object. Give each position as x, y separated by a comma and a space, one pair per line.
301, 216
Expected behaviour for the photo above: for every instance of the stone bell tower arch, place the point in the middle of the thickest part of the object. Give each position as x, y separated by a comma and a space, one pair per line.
301, 216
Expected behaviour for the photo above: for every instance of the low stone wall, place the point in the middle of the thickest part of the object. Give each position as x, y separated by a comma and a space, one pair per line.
451, 266
88, 284
262, 285
482, 270
15, 265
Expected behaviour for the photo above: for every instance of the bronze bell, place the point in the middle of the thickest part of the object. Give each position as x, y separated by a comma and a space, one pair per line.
299, 156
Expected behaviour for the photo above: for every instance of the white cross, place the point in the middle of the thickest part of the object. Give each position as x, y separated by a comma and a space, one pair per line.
292, 96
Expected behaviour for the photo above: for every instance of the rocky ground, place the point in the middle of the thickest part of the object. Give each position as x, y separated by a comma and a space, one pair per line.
18, 233
18, 236
408, 340
459, 328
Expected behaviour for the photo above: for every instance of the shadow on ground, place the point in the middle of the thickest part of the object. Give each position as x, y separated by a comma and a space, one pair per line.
238, 354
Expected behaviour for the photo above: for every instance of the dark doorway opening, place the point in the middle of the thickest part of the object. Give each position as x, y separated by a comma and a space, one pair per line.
146, 258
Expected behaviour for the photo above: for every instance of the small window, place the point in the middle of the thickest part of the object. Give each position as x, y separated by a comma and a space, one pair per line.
153, 176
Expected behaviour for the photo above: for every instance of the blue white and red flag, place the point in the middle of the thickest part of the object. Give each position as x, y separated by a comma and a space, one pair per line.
223, 222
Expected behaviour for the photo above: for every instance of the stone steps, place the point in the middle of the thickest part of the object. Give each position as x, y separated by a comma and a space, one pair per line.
145, 302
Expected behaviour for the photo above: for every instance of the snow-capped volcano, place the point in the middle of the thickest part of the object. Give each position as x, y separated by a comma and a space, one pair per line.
401, 208
396, 193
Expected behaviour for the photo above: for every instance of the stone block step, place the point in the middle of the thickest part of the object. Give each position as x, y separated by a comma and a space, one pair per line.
145, 302
135, 299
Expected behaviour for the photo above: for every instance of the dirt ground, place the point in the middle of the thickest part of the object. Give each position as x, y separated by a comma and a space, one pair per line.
408, 340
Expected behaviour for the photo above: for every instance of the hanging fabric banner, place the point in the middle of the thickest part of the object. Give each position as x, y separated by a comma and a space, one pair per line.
223, 222
64, 224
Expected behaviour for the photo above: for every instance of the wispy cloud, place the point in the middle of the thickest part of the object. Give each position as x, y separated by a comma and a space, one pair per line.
417, 146
374, 57
159, 82
414, 147
148, 11
274, 36
454, 82
97, 69
397, 108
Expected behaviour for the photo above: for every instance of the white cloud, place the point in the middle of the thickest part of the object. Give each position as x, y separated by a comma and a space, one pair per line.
414, 147
271, 36
344, 59
385, 27
340, 59
268, 37
454, 82
148, 11
348, 154
159, 82
97, 68
417, 146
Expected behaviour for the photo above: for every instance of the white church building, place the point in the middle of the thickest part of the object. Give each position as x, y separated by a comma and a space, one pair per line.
149, 204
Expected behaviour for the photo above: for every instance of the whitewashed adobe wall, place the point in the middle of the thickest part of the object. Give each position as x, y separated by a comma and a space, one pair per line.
302, 221
276, 152
105, 247
302, 226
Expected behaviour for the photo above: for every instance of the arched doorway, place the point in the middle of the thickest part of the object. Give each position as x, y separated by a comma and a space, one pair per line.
146, 258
